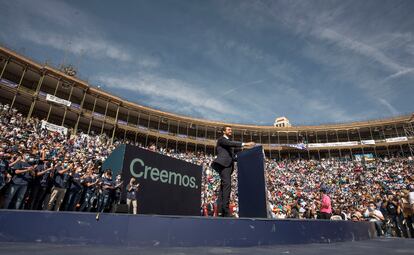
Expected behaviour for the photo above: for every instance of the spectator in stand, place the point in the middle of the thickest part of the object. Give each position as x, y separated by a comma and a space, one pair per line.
89, 181
356, 216
107, 187
279, 214
23, 173
410, 210
60, 175
411, 198
374, 215
117, 193
75, 189
325, 211
40, 184
4, 168
394, 213
132, 192
407, 219
336, 215
293, 185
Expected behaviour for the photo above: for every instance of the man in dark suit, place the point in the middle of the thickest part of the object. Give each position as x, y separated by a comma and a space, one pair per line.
224, 165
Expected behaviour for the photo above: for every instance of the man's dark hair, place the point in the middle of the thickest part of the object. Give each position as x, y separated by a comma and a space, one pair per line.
224, 128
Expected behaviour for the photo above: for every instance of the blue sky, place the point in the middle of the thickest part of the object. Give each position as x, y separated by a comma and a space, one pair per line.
236, 61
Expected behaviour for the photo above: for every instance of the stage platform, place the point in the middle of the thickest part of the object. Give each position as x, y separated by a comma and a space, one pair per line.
380, 246
75, 228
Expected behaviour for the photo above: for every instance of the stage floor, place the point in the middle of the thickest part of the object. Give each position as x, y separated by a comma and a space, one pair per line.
376, 246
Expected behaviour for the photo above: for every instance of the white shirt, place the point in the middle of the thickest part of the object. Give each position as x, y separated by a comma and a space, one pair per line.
376, 217
411, 197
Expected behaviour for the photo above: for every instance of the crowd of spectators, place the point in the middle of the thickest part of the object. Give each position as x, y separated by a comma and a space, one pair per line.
352, 186
43, 170
48, 170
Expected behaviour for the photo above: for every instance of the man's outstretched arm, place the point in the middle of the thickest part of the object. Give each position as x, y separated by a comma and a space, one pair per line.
226, 142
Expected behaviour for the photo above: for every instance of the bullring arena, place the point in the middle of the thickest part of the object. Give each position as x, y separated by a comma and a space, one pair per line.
358, 162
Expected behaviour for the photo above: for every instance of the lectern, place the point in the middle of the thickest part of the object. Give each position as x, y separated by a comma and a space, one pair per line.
251, 183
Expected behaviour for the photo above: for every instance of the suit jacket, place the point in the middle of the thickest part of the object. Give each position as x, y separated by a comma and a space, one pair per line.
224, 149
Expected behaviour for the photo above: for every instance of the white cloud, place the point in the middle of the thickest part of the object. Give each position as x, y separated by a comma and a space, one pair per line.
234, 89
399, 74
391, 108
356, 68
319, 39
53, 12
359, 47
94, 47
158, 89
61, 26
242, 48
316, 107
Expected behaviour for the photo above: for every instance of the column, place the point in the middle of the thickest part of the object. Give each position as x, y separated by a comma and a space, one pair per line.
39, 84
317, 141
92, 117
206, 138
125, 130
186, 139
362, 146
18, 87
278, 143
398, 135
337, 140
196, 136
297, 142
148, 130
327, 140
350, 149
307, 142
372, 138
388, 150
168, 133
104, 120
178, 132
215, 139
66, 108
50, 104
136, 133
287, 142
270, 148
116, 124
75, 130
4, 67
158, 131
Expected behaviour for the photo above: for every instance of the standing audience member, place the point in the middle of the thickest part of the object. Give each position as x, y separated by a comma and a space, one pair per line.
325, 211
40, 185
374, 215
117, 193
4, 168
89, 186
74, 190
407, 215
58, 192
23, 174
107, 189
394, 214
132, 191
